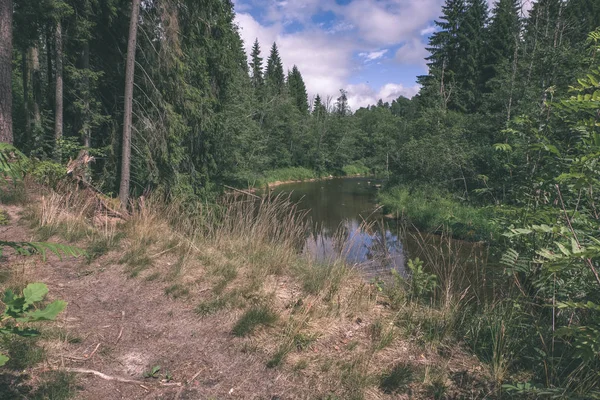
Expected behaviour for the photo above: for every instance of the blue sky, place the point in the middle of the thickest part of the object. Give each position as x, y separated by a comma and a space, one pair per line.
371, 48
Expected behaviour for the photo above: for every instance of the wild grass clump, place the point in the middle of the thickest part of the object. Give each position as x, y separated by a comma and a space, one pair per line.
252, 319
67, 215
433, 211
398, 379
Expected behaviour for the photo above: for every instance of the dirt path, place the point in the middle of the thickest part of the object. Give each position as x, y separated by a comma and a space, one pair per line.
128, 325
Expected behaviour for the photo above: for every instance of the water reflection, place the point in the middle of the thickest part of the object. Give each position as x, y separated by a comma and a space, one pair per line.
346, 221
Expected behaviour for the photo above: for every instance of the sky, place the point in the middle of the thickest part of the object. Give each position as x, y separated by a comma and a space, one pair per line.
373, 49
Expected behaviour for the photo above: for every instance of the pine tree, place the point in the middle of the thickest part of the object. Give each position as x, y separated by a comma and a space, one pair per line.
502, 38
471, 45
297, 90
341, 105
444, 61
274, 77
256, 67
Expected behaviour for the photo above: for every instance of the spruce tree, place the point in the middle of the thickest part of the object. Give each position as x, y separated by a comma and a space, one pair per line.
444, 61
256, 67
297, 90
274, 78
502, 38
471, 45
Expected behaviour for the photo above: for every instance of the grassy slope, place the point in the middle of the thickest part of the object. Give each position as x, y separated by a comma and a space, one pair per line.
231, 282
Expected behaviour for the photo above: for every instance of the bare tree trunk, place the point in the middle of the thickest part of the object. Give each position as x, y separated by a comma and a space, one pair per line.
36, 85
6, 129
87, 135
25, 66
58, 114
129, 75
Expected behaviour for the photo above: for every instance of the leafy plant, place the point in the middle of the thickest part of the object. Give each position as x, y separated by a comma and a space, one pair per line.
22, 310
422, 283
153, 372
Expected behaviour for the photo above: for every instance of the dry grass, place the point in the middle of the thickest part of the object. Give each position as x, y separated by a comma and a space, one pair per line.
327, 328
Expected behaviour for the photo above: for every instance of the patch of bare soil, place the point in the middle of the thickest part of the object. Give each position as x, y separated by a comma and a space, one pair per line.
123, 327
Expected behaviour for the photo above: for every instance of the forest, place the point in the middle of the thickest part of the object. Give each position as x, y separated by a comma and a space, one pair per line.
500, 146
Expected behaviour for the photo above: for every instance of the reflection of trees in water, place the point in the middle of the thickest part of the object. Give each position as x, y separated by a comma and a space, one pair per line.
369, 245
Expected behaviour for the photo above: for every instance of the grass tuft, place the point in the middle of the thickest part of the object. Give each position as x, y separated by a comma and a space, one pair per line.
397, 380
253, 318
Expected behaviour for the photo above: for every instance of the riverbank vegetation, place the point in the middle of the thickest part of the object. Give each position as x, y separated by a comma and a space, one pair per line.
500, 145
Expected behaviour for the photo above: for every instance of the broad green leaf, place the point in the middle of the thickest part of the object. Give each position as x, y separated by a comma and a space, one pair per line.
47, 314
35, 292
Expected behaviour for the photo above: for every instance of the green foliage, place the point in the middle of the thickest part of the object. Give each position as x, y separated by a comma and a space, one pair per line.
356, 169
433, 210
48, 173
23, 309
422, 283
253, 318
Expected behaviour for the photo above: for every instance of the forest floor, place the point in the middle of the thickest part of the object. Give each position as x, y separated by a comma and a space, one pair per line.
332, 335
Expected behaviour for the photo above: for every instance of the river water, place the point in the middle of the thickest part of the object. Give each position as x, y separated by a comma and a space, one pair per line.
346, 221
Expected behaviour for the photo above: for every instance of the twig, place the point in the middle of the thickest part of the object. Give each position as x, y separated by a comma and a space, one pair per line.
103, 376
116, 378
121, 331
242, 191
93, 352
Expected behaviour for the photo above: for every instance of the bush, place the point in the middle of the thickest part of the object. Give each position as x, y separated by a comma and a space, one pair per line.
48, 173
357, 168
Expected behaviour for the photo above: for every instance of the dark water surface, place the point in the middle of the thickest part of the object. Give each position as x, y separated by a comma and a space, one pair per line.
346, 220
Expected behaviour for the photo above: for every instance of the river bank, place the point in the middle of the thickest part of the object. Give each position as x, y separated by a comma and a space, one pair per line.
242, 298
433, 211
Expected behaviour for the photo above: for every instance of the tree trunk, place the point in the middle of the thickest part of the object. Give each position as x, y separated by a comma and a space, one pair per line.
6, 129
129, 75
87, 136
58, 114
36, 85
25, 65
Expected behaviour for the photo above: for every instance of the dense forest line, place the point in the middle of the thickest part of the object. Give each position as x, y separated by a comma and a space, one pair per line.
505, 126
203, 115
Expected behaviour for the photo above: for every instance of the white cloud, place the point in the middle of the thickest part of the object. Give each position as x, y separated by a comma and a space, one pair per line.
324, 60
326, 52
428, 31
412, 52
362, 95
389, 21
373, 55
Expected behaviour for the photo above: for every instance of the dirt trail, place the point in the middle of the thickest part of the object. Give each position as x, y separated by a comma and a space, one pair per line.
136, 327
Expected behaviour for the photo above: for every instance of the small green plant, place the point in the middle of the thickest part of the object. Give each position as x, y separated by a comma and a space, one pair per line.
253, 318
422, 283
20, 310
153, 372
4, 218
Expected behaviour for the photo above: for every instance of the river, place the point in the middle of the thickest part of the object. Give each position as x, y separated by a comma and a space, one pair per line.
346, 221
